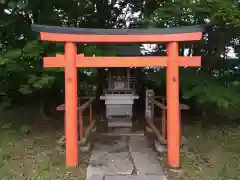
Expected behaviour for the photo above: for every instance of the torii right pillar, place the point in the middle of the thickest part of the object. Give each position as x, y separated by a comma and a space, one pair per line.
173, 113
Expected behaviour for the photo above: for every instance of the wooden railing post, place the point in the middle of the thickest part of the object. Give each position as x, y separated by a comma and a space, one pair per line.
80, 124
90, 113
164, 123
81, 109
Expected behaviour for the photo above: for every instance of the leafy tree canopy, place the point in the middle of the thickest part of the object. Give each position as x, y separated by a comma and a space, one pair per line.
217, 82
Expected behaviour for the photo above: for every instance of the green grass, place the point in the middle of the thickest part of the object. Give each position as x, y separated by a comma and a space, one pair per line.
26, 153
214, 153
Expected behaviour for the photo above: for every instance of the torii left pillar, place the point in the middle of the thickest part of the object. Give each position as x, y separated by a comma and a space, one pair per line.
71, 104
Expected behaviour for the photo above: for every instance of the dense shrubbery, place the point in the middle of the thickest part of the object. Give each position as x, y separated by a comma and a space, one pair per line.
216, 83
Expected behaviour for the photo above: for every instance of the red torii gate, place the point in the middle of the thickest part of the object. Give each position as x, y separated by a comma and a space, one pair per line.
71, 61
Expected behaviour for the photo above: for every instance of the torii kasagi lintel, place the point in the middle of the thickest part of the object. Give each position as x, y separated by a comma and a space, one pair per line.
71, 60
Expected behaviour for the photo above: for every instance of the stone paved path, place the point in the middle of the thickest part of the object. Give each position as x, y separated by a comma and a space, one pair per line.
124, 158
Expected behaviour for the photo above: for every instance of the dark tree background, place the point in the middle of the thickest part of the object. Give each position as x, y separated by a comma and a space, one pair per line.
215, 87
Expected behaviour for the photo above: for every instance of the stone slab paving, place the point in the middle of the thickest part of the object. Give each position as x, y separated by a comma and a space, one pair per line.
163, 148
119, 122
144, 157
110, 159
124, 132
128, 158
132, 177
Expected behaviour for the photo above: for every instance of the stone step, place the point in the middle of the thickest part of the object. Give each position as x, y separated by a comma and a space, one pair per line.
163, 148
132, 177
120, 122
110, 156
124, 158
123, 131
128, 177
145, 160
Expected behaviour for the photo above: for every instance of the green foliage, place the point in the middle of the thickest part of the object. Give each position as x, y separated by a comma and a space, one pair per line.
207, 90
184, 12
35, 83
17, 4
21, 52
21, 65
216, 83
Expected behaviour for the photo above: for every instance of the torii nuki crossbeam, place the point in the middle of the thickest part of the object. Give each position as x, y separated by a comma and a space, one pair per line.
70, 61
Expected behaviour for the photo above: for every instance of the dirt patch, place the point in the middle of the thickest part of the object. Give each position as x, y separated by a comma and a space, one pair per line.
28, 153
213, 153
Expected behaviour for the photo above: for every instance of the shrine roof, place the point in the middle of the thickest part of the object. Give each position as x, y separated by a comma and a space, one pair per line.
133, 31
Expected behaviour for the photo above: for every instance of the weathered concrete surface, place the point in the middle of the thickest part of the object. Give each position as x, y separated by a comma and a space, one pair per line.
160, 147
144, 158
119, 122
163, 148
124, 132
132, 177
110, 159
125, 158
